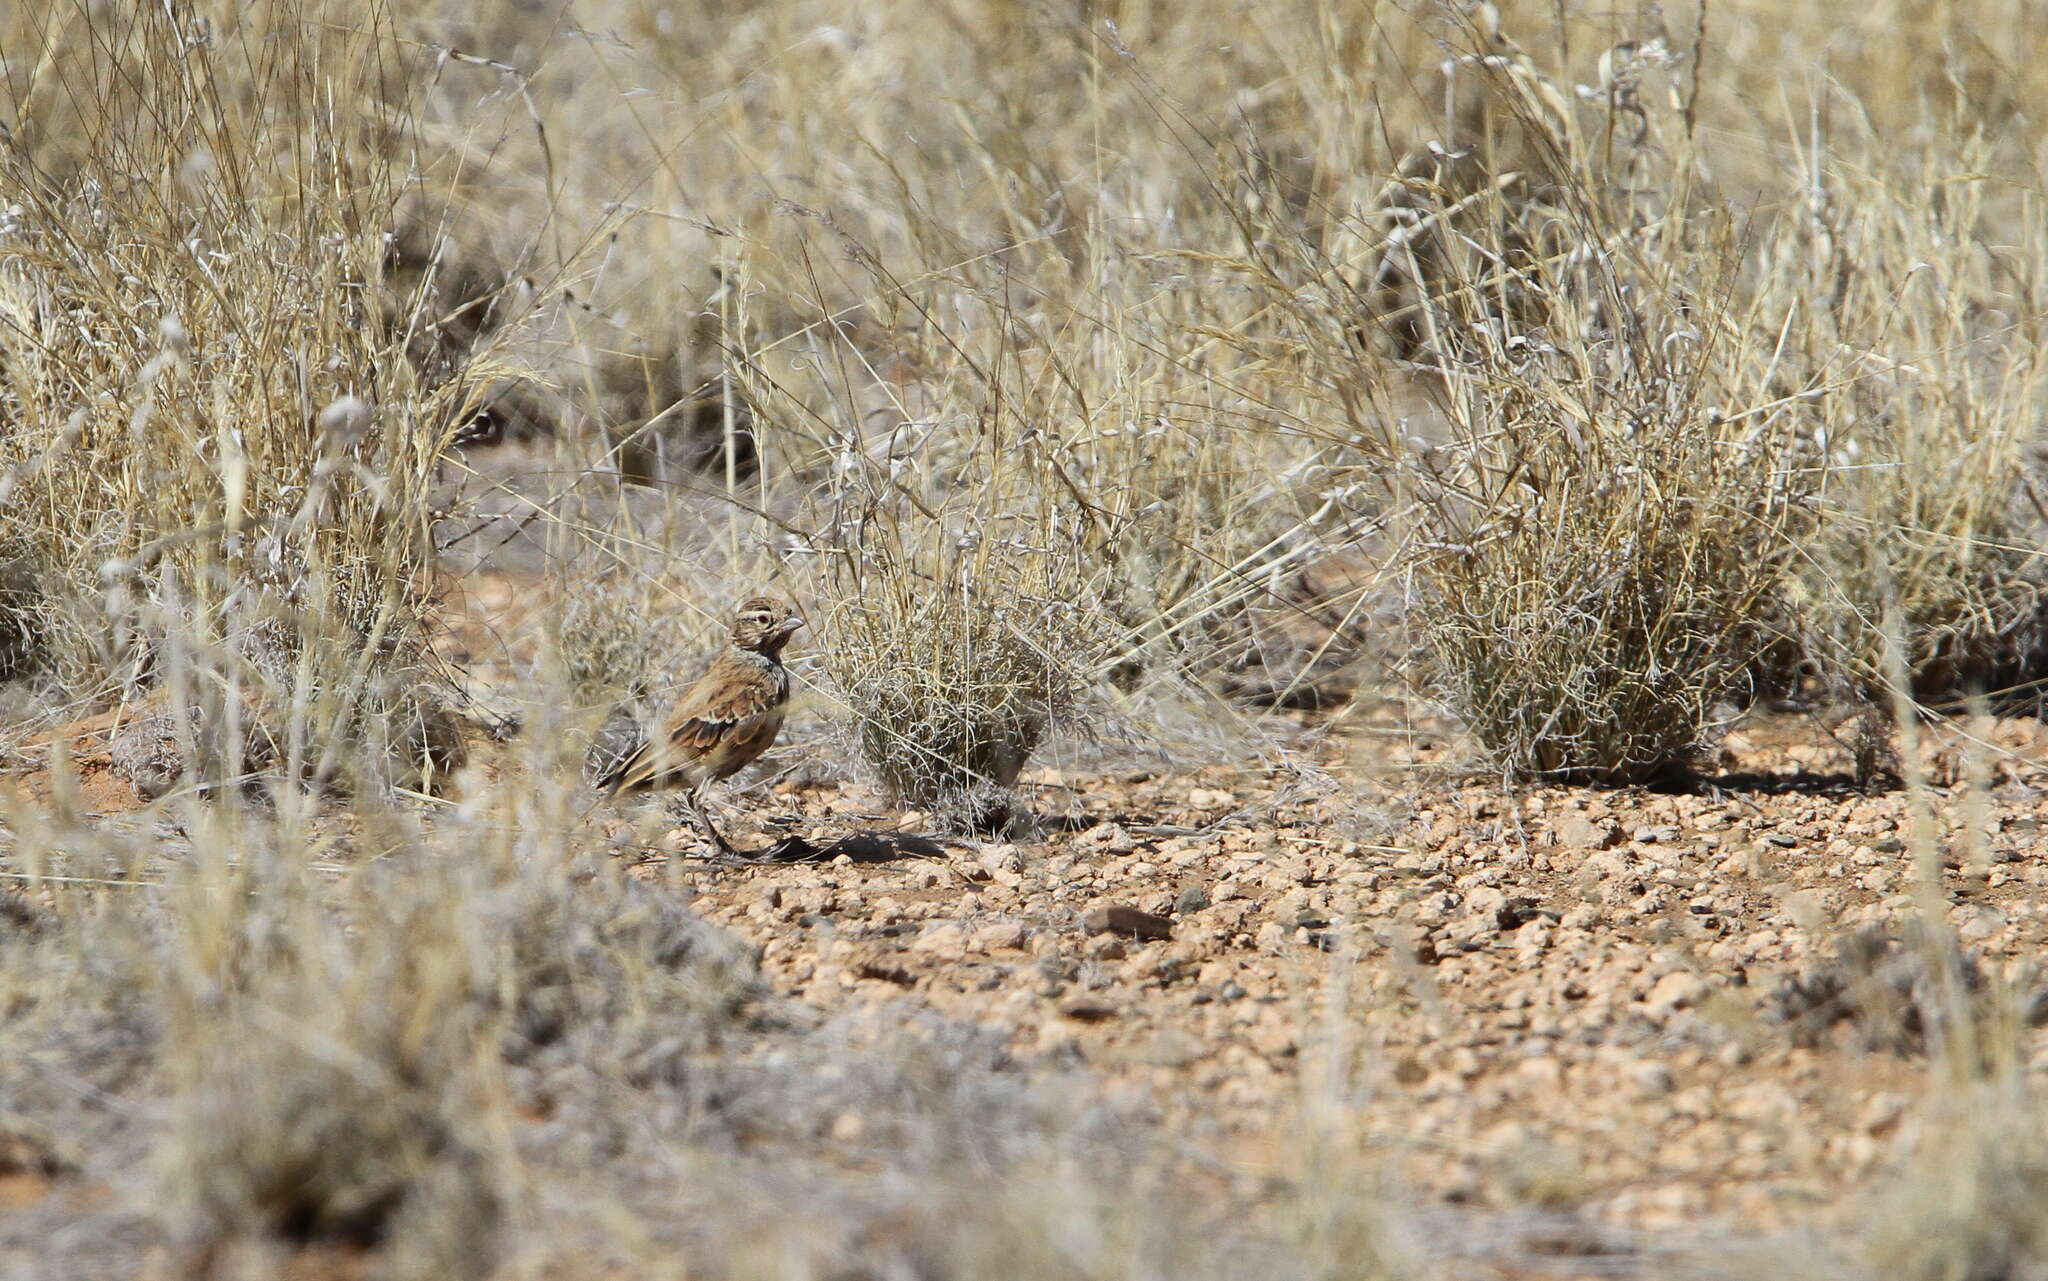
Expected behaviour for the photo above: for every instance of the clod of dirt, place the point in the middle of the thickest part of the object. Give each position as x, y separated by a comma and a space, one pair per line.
888, 965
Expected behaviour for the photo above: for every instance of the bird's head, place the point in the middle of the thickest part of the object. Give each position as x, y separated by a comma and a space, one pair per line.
765, 625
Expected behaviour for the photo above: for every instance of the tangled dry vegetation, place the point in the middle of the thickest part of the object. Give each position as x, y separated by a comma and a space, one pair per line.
1112, 383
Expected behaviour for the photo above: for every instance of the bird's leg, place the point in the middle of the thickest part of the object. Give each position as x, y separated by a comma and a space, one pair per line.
697, 804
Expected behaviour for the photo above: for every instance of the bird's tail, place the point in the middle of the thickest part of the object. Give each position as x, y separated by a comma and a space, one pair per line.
623, 772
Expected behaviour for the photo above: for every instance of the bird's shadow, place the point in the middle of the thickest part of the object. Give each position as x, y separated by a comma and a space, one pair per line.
856, 847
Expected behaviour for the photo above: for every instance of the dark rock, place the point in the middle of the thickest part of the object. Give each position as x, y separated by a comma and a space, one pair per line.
19, 918
888, 966
1515, 913
1086, 1010
1128, 921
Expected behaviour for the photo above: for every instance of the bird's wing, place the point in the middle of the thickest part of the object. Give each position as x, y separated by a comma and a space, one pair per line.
729, 705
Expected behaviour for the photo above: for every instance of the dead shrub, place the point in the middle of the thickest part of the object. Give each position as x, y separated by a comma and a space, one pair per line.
601, 970
1598, 523
956, 667
327, 1071
338, 1062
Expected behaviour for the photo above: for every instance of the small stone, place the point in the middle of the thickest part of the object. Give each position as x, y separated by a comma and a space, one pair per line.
1807, 908
1977, 922
1105, 838
1107, 949
1129, 921
1207, 798
943, 942
1651, 1078
1192, 899
1675, 991
1002, 936
1575, 833
1001, 858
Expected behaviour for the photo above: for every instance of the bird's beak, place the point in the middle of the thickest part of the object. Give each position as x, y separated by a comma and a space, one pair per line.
791, 624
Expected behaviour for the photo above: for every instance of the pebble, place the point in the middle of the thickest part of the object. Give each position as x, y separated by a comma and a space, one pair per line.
1002, 936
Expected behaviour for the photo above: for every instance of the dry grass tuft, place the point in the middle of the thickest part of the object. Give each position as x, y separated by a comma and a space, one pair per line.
956, 676
1974, 1200
310, 1106
219, 460
1934, 395
1595, 575
1598, 525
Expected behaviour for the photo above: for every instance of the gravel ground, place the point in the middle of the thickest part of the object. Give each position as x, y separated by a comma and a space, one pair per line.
1626, 1003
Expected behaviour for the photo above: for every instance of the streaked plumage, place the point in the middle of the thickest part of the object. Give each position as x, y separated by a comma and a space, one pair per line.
729, 717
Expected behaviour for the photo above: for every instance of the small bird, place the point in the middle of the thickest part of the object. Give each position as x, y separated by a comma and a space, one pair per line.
729, 717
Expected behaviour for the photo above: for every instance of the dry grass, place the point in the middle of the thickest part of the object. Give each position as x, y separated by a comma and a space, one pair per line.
1598, 534
1050, 357
956, 676
219, 460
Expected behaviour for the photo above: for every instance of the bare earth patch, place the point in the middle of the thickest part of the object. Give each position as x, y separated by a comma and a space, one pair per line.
1575, 998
